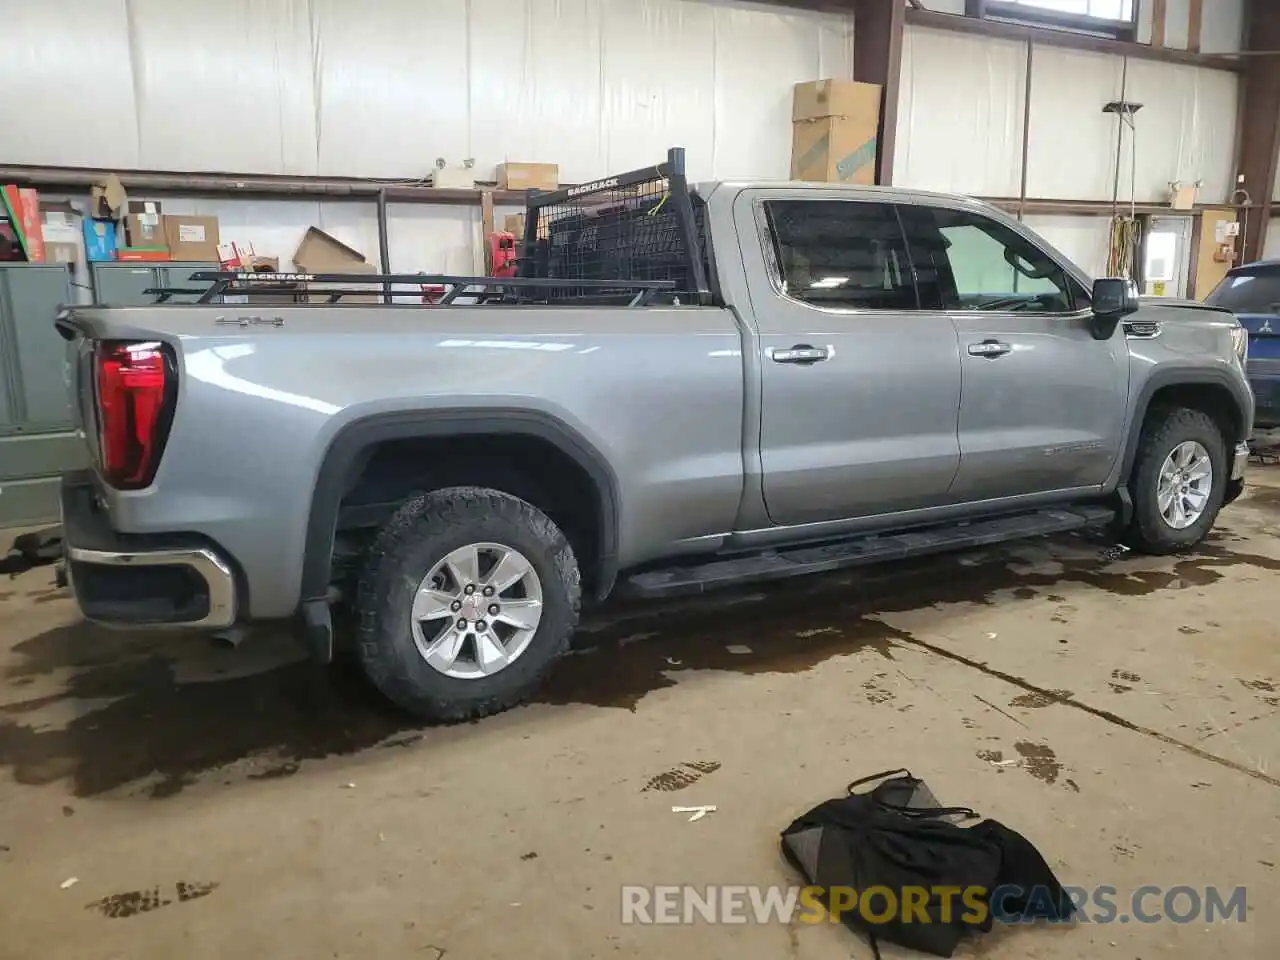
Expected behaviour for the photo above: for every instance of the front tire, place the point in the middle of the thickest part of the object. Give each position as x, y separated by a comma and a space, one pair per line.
1179, 480
467, 598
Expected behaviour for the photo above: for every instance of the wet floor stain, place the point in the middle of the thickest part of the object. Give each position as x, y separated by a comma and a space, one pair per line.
1265, 498
151, 732
1267, 685
118, 906
278, 772
875, 693
1040, 699
1039, 761
682, 776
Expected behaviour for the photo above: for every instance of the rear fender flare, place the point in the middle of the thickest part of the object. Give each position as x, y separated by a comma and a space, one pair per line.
349, 449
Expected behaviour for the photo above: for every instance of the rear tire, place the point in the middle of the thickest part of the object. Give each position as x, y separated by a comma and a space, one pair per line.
1171, 516
466, 673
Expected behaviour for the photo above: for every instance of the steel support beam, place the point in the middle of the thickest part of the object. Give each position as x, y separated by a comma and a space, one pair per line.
1260, 133
877, 58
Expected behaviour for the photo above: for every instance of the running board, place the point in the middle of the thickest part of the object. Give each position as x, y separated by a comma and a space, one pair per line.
873, 548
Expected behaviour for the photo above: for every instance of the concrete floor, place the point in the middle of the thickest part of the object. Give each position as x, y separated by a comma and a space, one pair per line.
1120, 712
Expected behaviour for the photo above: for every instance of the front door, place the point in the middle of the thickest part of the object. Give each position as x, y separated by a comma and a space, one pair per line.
859, 389
1043, 402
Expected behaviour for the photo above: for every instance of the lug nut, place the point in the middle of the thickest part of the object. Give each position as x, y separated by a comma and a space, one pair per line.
488, 591
455, 606
493, 608
470, 589
480, 625
462, 624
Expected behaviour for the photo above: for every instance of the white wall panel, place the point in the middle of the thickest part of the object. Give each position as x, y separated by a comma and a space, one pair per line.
223, 86
658, 82
391, 84
380, 90
1271, 244
960, 113
759, 55
1186, 128
434, 239
68, 84
535, 85
1083, 240
1073, 145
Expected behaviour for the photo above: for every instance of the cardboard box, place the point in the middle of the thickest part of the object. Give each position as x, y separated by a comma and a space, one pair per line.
528, 176
456, 178
107, 198
321, 253
99, 240
833, 131
144, 230
22, 207
515, 223
62, 253
191, 237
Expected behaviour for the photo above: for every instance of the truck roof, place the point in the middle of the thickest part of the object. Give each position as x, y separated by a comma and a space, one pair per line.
706, 187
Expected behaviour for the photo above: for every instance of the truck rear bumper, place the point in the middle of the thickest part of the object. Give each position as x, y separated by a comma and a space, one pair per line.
171, 580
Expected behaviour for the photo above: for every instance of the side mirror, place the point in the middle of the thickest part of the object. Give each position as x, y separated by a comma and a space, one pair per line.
1114, 298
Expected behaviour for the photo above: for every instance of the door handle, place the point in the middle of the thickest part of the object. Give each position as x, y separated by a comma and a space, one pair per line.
802, 353
991, 349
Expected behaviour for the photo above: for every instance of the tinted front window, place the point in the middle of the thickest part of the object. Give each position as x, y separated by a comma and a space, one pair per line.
842, 253
1247, 293
967, 261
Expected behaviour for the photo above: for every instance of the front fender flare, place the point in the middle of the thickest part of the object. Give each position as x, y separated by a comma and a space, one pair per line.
1236, 388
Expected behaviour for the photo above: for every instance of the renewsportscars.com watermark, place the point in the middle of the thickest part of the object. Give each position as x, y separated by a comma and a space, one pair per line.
729, 904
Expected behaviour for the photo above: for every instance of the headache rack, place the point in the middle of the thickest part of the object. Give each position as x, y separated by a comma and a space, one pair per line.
630, 240
645, 224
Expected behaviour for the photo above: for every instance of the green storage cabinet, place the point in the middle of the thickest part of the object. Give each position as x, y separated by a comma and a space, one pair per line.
37, 440
122, 284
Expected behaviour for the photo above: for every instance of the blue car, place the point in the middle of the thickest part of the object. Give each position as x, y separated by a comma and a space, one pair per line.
1252, 292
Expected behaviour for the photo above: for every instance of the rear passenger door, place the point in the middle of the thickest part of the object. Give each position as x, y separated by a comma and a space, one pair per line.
859, 390
1043, 402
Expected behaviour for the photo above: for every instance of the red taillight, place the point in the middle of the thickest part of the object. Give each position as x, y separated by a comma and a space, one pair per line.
134, 387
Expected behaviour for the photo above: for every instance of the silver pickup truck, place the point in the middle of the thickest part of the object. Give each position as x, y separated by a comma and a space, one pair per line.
791, 378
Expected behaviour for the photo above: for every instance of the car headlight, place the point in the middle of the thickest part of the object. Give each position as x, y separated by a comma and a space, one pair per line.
1240, 341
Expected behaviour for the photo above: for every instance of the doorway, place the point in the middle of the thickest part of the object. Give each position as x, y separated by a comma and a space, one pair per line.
1167, 257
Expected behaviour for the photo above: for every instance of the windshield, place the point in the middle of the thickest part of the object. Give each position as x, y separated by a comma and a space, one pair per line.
1247, 293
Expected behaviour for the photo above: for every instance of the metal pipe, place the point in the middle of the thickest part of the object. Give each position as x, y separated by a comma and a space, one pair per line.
384, 245
1026, 130
1115, 187
230, 184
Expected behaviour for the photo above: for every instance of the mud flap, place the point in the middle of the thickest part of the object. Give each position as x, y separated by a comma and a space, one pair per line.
314, 628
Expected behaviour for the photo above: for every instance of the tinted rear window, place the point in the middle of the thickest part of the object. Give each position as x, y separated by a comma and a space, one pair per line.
1248, 293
